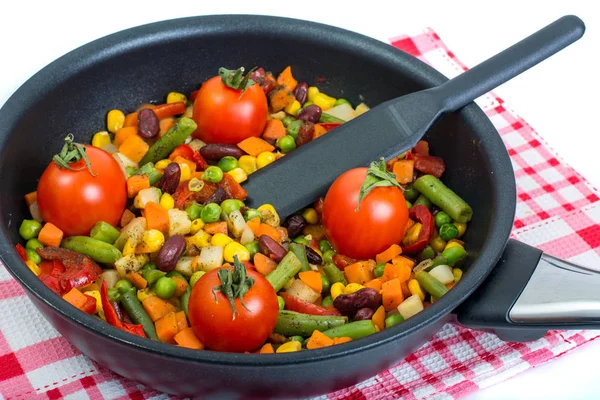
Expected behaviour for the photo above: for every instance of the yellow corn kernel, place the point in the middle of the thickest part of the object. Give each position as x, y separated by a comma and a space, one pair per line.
312, 90
197, 224
33, 267
293, 107
248, 164
457, 272
142, 259
101, 139
186, 173
462, 227
336, 289
95, 294
377, 329
175, 97
220, 239
353, 287
239, 175
114, 120
162, 164
145, 293
166, 201
265, 158
453, 244
269, 215
128, 249
152, 240
311, 216
289, 347
200, 239
235, 249
415, 288
413, 234
437, 244
323, 101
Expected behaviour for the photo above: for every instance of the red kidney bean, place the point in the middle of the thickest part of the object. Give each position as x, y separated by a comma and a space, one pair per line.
313, 257
218, 196
271, 248
258, 75
170, 252
363, 313
295, 224
268, 85
301, 93
214, 152
342, 261
349, 304
170, 180
310, 113
148, 124
305, 133
193, 251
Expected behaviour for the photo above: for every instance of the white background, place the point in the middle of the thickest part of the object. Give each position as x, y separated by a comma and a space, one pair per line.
558, 97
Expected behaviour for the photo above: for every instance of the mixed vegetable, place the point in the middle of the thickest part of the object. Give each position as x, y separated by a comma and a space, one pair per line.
146, 228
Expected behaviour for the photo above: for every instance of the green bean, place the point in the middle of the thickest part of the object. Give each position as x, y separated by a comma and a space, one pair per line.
286, 270
105, 232
152, 276
167, 143
423, 200
393, 320
444, 198
454, 255
195, 277
33, 244
408, 204
154, 176
291, 323
439, 260
29, 229
136, 312
334, 274
185, 300
354, 330
327, 302
302, 240
281, 302
287, 120
145, 169
33, 256
130, 170
300, 251
329, 118
325, 283
328, 256
97, 250
430, 284
114, 294
123, 285
296, 338
324, 245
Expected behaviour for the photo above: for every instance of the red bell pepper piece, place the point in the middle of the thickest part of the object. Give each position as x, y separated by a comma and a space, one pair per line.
234, 190
22, 252
50, 272
422, 148
192, 96
342, 261
293, 303
183, 150
90, 306
137, 330
80, 270
201, 163
113, 318
429, 165
421, 214
330, 125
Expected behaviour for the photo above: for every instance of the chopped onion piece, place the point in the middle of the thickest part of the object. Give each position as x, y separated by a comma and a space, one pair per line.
423, 265
411, 306
442, 273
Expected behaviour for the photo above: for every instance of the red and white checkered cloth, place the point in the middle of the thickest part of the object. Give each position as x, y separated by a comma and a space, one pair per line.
557, 211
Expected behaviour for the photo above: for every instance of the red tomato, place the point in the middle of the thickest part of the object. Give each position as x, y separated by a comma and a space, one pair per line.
214, 323
378, 224
225, 117
75, 201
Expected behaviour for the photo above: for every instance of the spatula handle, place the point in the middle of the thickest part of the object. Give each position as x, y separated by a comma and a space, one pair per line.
504, 66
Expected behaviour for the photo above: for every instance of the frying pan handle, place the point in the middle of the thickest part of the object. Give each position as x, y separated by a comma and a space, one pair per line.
518, 58
530, 292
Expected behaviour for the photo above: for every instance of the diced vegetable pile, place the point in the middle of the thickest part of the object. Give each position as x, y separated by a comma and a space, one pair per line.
152, 235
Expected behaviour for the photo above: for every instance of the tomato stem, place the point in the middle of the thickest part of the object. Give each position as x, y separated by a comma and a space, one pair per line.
234, 284
377, 176
70, 153
235, 78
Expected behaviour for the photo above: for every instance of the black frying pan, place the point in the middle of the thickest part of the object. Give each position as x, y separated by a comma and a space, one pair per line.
130, 67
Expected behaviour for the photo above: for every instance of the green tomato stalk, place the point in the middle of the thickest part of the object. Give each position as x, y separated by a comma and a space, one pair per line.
234, 284
377, 176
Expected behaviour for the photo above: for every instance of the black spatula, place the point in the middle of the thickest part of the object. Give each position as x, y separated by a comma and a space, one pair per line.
396, 125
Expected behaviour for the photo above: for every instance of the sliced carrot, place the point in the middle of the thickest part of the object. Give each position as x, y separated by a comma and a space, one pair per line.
268, 230
359, 273
135, 183
254, 225
403, 170
157, 307
181, 320
320, 130
131, 119
400, 271
254, 146
136, 280
404, 261
391, 294
267, 349
169, 109
123, 133
192, 165
378, 318
391, 252
216, 227
264, 264
164, 125
274, 130
450, 285
181, 286
166, 327
286, 79
156, 217
405, 290
318, 339
30, 198
75, 298
374, 284
186, 338
312, 279
50, 235
126, 218
342, 339
280, 97
134, 148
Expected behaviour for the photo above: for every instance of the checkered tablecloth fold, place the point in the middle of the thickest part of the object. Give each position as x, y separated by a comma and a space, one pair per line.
557, 211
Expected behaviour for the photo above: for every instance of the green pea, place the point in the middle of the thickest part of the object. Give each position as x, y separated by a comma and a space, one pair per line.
378, 271
152, 276
33, 244
327, 302
252, 213
325, 283
286, 143
211, 213
410, 193
439, 260
342, 101
123, 285
328, 256
302, 240
427, 252
296, 339
213, 174
195, 276
252, 248
281, 302
448, 231
324, 245
193, 211
113, 294
165, 288
307, 103
29, 229
293, 129
454, 255
33, 255
228, 163
393, 320
175, 274
442, 218
287, 120
230, 205
149, 266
